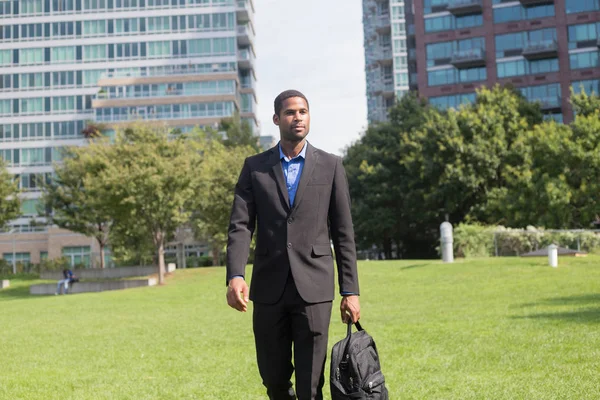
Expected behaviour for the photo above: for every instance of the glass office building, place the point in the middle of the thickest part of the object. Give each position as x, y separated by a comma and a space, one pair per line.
541, 47
63, 63
388, 54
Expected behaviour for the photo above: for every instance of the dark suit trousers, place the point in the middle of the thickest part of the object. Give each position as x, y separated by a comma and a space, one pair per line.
276, 327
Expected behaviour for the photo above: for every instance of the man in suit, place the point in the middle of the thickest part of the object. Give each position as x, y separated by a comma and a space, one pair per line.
296, 198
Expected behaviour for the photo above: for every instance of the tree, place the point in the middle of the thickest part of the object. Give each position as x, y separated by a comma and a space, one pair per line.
151, 180
238, 133
555, 182
217, 178
425, 166
376, 178
585, 104
76, 196
10, 204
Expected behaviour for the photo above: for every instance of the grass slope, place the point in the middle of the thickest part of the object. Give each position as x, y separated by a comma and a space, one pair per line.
503, 328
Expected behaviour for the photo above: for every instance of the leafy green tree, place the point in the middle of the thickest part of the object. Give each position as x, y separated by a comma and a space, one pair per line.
585, 104
216, 180
376, 178
555, 183
76, 196
10, 204
151, 180
238, 133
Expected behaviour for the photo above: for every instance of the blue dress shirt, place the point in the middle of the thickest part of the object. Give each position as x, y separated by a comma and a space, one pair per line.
292, 170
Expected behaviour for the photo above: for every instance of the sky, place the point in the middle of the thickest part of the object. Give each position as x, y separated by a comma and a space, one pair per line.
316, 47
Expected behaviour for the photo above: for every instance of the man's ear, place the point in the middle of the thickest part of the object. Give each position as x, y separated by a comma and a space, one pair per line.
276, 119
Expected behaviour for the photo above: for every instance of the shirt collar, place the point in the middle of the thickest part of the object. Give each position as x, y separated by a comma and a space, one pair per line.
286, 159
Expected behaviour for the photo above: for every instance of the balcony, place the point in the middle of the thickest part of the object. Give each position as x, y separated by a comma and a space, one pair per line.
162, 116
468, 58
244, 10
465, 7
531, 3
246, 58
384, 55
169, 70
245, 35
383, 24
540, 50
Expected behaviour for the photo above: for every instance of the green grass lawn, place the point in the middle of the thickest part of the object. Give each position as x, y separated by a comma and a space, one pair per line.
505, 328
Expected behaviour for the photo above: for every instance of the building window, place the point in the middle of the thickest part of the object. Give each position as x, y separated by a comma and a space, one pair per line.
31, 80
512, 44
159, 49
31, 106
78, 256
451, 75
518, 12
450, 22
30, 7
94, 28
590, 86
20, 258
547, 95
31, 56
63, 5
523, 67
5, 107
63, 29
94, 4
63, 54
128, 25
94, 52
159, 24
63, 104
5, 8
91, 77
431, 6
29, 207
584, 35
6, 57
588, 59
577, 6
453, 101
441, 53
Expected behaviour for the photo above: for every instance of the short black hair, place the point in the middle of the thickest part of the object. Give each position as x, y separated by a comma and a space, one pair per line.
286, 95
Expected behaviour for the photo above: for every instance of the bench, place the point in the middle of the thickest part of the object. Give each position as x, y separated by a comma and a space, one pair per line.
99, 286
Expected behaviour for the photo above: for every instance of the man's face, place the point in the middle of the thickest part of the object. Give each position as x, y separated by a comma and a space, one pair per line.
293, 120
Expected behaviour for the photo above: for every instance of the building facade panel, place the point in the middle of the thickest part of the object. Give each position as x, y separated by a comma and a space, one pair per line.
540, 47
177, 63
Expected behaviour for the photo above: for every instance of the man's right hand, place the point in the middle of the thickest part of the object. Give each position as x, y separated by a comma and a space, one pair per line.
238, 294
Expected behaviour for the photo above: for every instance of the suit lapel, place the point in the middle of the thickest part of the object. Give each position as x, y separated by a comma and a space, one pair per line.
275, 161
307, 170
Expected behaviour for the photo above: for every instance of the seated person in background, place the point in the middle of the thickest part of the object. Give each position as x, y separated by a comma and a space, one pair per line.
68, 278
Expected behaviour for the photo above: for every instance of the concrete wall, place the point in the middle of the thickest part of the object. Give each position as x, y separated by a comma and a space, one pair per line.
83, 287
106, 273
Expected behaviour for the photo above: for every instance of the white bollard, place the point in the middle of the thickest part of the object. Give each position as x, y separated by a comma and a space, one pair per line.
447, 242
553, 255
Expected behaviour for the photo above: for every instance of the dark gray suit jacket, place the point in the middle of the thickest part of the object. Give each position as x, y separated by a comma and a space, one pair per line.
295, 238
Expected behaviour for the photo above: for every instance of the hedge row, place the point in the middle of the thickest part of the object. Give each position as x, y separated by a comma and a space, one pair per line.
488, 241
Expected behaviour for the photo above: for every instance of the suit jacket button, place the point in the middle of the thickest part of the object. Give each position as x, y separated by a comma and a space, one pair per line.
289, 246
290, 220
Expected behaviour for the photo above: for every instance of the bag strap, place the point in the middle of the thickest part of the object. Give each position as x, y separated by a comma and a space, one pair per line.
348, 334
